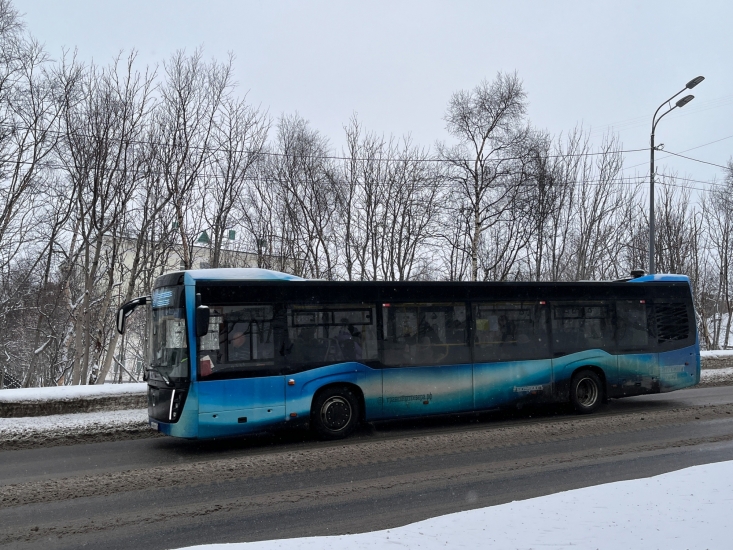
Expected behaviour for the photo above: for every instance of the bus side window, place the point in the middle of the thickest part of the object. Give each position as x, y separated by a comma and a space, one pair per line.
333, 333
581, 326
425, 334
509, 331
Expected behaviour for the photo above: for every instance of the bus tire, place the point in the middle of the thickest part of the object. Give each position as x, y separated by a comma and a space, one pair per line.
335, 413
586, 392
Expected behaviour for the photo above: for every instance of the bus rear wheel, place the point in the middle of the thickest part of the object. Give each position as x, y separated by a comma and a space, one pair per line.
335, 413
586, 392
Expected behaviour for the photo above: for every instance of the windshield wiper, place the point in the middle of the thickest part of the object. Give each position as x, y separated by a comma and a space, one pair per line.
155, 369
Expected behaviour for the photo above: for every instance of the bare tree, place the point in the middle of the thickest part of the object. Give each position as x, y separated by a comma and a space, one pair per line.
719, 214
238, 142
103, 118
390, 198
488, 122
307, 191
551, 197
598, 204
29, 211
411, 207
363, 199
191, 98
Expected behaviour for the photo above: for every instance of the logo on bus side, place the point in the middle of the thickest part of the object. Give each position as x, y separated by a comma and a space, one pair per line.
402, 398
673, 368
518, 389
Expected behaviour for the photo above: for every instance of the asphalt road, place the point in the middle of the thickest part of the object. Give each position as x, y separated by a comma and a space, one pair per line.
165, 493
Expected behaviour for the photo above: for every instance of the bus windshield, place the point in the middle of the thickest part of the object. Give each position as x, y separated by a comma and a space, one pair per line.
168, 347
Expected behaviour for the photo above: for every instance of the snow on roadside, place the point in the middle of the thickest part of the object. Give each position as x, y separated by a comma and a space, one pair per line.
717, 353
710, 376
61, 425
684, 509
67, 393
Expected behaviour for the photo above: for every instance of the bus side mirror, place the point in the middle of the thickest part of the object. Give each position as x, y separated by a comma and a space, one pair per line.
126, 310
202, 320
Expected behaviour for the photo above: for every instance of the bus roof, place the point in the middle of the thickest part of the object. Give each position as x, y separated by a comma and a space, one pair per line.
257, 274
240, 274
663, 277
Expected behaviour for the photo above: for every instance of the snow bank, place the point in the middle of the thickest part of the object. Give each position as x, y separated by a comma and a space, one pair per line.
67, 393
717, 353
716, 375
688, 508
716, 360
60, 425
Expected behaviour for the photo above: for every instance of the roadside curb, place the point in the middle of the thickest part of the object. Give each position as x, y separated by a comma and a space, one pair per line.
70, 406
72, 429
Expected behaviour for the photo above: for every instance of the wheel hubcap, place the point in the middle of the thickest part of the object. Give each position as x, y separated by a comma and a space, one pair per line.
587, 392
336, 413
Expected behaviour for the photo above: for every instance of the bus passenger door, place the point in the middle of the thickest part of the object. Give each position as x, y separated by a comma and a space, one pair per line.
638, 365
511, 354
427, 358
241, 389
582, 336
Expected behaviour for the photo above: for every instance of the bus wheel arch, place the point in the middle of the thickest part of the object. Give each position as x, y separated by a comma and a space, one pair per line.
587, 389
336, 410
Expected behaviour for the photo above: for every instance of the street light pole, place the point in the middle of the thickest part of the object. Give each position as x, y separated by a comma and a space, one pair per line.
680, 103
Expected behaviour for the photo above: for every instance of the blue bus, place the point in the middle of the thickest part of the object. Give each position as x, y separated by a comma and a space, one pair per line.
238, 351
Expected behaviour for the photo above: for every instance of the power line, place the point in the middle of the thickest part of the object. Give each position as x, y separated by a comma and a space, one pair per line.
636, 122
450, 184
379, 159
684, 151
698, 160
209, 175
210, 149
706, 144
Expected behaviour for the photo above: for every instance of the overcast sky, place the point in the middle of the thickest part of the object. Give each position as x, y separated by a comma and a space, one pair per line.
395, 63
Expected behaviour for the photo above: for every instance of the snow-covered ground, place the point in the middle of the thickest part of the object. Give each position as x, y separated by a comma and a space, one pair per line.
710, 376
64, 393
717, 353
80, 423
685, 509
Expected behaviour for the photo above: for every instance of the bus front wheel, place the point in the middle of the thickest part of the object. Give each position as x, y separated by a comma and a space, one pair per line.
335, 413
586, 392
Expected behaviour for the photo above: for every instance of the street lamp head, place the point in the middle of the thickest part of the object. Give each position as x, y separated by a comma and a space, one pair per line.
694, 82
685, 100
